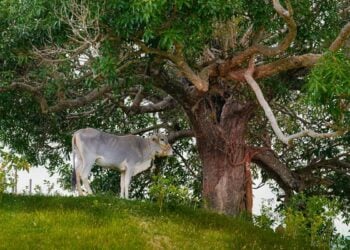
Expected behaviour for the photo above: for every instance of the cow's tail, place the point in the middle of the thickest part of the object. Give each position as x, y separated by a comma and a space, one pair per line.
74, 176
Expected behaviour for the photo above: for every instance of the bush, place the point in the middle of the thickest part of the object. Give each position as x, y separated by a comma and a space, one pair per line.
311, 218
8, 164
306, 219
164, 191
3, 185
267, 219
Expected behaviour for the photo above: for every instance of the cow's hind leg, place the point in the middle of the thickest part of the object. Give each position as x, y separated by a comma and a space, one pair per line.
87, 165
80, 191
78, 170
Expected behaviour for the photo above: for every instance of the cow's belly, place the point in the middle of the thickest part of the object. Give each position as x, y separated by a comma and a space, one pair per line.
107, 163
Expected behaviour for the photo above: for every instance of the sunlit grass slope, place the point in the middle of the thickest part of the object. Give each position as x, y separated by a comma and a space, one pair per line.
37, 222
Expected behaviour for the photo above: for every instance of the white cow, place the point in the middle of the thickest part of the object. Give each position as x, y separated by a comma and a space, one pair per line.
130, 154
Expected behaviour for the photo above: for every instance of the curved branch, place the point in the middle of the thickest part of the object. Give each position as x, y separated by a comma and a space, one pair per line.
268, 161
33, 90
282, 65
287, 16
333, 164
307, 60
341, 38
271, 117
200, 81
285, 64
80, 101
138, 98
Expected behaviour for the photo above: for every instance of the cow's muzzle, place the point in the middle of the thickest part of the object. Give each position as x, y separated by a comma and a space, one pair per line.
166, 150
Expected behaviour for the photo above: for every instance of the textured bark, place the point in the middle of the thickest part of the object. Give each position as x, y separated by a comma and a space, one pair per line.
222, 149
285, 177
223, 180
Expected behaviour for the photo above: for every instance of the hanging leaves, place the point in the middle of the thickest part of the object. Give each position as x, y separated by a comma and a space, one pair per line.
328, 85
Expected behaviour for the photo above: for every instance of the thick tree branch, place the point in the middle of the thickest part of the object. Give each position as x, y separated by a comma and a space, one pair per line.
179, 88
285, 64
268, 161
287, 16
167, 103
177, 135
271, 117
238, 60
80, 101
200, 81
21, 86
138, 98
282, 65
334, 164
341, 38
35, 91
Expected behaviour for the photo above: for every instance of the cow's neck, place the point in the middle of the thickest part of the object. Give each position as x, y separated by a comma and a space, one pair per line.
149, 154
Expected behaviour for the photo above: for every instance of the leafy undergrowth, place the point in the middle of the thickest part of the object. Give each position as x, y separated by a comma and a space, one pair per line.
38, 222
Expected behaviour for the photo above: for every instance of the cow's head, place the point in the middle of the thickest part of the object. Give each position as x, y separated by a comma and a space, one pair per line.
161, 145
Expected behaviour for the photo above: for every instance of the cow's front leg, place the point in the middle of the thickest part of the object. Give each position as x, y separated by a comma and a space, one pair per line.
122, 184
127, 180
123, 167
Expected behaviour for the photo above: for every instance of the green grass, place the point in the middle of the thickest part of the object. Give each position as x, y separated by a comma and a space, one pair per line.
38, 222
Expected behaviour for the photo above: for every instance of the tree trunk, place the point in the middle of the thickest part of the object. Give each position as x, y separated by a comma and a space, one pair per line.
224, 180
222, 149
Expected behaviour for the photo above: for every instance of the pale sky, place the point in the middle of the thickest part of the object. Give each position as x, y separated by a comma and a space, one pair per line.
39, 174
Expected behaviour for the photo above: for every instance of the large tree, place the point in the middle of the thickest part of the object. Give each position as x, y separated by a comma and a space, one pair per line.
233, 74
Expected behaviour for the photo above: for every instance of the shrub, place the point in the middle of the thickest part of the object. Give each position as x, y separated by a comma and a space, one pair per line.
306, 219
10, 162
311, 218
267, 218
164, 191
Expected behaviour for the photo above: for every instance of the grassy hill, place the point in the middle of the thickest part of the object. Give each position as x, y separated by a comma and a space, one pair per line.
38, 222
